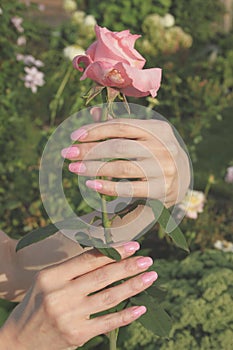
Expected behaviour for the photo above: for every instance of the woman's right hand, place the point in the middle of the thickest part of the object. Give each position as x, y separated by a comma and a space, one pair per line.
55, 313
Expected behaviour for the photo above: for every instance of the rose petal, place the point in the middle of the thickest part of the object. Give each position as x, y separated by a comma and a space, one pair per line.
144, 81
97, 72
86, 60
109, 47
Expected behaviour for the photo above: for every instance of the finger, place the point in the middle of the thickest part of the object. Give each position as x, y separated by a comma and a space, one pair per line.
154, 188
107, 323
106, 275
111, 297
89, 261
123, 128
117, 169
114, 148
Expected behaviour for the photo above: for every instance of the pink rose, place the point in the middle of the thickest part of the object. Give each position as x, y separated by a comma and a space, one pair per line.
112, 61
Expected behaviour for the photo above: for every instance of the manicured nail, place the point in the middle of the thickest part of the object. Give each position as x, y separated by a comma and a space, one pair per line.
138, 311
70, 152
144, 262
77, 167
149, 277
94, 185
78, 135
131, 247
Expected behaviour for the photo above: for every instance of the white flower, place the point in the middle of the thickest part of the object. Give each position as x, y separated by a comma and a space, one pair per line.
167, 21
78, 17
223, 245
33, 78
1, 12
29, 60
193, 204
21, 40
72, 51
89, 21
17, 22
69, 5
229, 175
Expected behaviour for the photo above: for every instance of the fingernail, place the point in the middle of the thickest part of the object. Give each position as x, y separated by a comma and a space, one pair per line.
77, 167
138, 311
94, 185
144, 262
149, 277
70, 152
79, 134
131, 247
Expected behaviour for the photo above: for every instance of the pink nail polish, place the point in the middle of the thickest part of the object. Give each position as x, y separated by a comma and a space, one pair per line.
149, 277
70, 152
131, 247
138, 311
78, 135
94, 185
77, 167
144, 262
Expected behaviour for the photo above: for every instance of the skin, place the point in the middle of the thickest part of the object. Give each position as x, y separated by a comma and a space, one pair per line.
55, 312
53, 279
148, 154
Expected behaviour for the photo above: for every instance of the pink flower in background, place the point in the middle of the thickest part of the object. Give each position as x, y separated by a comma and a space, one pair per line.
193, 204
112, 61
229, 175
41, 7
33, 78
17, 22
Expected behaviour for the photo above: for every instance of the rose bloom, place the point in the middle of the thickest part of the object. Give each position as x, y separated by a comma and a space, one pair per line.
193, 204
112, 61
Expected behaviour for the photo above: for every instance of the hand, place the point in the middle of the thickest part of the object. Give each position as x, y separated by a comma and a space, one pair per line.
153, 160
55, 313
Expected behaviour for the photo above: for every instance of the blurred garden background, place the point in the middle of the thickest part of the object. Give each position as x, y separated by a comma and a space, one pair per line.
191, 40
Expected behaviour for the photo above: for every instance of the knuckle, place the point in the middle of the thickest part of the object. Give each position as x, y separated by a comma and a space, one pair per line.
130, 266
135, 285
110, 323
121, 125
118, 148
171, 169
124, 318
50, 306
124, 189
125, 169
88, 259
73, 337
174, 149
100, 277
108, 298
43, 279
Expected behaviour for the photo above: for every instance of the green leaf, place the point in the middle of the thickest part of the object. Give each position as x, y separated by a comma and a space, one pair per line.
164, 218
111, 253
85, 240
156, 318
36, 236
157, 293
44, 232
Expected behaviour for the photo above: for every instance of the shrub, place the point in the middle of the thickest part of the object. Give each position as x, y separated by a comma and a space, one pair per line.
199, 298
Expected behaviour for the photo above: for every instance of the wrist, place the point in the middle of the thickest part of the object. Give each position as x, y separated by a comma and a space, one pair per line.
7, 339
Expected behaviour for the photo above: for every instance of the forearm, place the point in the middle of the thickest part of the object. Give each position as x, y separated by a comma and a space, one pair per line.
18, 269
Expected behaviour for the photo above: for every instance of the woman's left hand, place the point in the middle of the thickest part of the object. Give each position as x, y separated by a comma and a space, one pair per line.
145, 152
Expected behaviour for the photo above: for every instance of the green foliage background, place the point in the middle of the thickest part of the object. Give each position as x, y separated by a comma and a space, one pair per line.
196, 96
